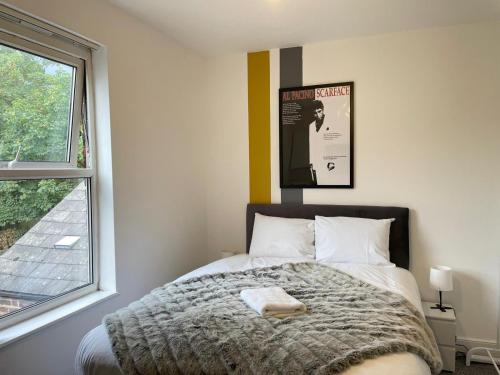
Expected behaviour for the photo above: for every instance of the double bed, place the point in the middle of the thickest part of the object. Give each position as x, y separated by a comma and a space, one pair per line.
96, 356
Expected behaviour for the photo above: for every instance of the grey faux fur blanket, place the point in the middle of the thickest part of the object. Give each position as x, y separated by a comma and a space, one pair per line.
201, 326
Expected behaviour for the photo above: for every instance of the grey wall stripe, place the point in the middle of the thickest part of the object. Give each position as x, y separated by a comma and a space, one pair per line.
291, 76
290, 67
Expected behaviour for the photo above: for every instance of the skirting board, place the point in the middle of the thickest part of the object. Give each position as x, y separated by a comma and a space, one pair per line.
472, 343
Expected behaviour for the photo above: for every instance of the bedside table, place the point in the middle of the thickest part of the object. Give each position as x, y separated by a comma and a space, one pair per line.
443, 325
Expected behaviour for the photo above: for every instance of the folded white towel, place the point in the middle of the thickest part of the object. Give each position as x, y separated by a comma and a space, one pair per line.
272, 301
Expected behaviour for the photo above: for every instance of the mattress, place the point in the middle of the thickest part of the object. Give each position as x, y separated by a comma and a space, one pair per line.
95, 357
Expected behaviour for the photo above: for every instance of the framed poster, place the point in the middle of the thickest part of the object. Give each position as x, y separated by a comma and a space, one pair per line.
316, 136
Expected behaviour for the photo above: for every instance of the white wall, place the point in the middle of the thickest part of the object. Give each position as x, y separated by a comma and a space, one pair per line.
427, 137
226, 164
157, 168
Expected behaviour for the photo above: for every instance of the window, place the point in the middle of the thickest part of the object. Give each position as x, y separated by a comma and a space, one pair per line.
47, 172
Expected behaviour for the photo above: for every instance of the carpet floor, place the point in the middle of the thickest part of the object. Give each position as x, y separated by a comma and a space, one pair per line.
475, 368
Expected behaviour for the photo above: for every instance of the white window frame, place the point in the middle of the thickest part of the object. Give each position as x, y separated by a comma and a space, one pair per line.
78, 64
32, 35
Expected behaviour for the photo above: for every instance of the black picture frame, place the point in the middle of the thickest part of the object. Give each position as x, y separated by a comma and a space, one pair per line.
296, 169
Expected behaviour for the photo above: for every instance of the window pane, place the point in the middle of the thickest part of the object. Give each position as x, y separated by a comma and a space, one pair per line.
44, 240
35, 107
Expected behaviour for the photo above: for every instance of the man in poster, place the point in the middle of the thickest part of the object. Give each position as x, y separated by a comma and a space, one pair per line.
316, 136
329, 143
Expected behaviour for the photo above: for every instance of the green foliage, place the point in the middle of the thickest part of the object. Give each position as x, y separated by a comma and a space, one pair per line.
27, 200
35, 97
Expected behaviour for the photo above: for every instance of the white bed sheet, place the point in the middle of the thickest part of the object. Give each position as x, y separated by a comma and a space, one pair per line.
394, 279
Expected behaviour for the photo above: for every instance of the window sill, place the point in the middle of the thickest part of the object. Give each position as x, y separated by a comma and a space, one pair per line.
29, 326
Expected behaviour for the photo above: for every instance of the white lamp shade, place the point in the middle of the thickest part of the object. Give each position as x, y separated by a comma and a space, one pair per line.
441, 278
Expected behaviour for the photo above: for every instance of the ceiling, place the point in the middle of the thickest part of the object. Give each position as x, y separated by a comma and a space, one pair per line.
214, 27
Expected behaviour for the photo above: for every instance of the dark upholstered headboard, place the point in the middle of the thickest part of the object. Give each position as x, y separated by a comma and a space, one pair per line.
399, 243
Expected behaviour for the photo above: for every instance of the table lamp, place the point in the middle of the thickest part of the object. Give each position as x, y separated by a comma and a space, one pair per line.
441, 279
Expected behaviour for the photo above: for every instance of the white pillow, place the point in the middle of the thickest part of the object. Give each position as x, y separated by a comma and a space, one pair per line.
282, 237
352, 240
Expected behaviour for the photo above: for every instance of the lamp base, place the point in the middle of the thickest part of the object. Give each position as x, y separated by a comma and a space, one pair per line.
441, 307
440, 304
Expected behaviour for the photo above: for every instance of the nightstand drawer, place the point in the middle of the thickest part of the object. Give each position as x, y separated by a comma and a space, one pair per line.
448, 357
444, 331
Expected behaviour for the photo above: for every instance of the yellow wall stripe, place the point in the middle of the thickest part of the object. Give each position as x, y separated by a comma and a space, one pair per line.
259, 127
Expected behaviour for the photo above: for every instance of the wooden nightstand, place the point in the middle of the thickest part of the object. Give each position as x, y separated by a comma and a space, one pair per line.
443, 325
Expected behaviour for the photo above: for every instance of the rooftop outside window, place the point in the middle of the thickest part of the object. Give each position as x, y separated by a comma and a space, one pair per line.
44, 240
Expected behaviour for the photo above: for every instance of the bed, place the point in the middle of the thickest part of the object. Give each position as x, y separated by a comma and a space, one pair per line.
95, 355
